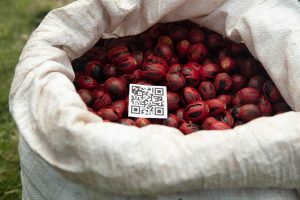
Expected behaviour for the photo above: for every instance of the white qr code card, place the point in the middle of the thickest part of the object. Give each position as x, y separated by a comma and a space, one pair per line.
147, 101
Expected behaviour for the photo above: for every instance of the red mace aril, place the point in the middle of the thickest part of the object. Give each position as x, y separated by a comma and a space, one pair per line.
94, 69
163, 50
280, 107
246, 96
109, 114
196, 35
246, 112
207, 122
247, 66
145, 42
194, 65
197, 52
141, 122
222, 82
182, 48
86, 96
102, 101
238, 82
219, 126
110, 70
127, 65
173, 100
189, 95
176, 67
189, 127
117, 54
208, 71
178, 33
264, 106
172, 121
227, 118
271, 91
116, 88
138, 56
256, 82
148, 54
227, 64
121, 106
207, 90
174, 81
216, 106
126, 121
166, 40
237, 48
215, 41
152, 72
191, 75
179, 113
196, 111
87, 82
226, 99
97, 53
97, 93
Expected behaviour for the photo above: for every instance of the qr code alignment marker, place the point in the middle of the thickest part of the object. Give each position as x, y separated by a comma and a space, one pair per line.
147, 101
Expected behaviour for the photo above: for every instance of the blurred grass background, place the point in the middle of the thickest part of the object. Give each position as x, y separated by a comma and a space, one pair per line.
18, 18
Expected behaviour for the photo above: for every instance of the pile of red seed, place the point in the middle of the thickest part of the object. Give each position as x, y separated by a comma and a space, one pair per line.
212, 82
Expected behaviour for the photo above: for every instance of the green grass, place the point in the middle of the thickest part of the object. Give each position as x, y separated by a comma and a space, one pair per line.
18, 19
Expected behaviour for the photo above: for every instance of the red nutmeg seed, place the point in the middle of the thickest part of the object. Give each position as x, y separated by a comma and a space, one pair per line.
189, 127
222, 82
163, 50
191, 75
141, 122
256, 82
117, 54
196, 111
94, 69
208, 71
189, 95
265, 106
196, 35
227, 64
175, 67
174, 81
86, 96
197, 52
127, 65
207, 122
207, 90
116, 88
110, 70
194, 65
121, 107
280, 107
138, 56
166, 40
216, 106
182, 48
87, 82
246, 112
227, 118
102, 101
179, 113
126, 121
248, 66
152, 72
172, 121
271, 91
246, 96
237, 48
109, 114
225, 98
178, 33
238, 82
173, 100
156, 60
219, 126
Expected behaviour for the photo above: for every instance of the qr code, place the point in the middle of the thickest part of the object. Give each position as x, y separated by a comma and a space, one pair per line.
147, 101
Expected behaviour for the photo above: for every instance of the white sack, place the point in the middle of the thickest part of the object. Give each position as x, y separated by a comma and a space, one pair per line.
117, 159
